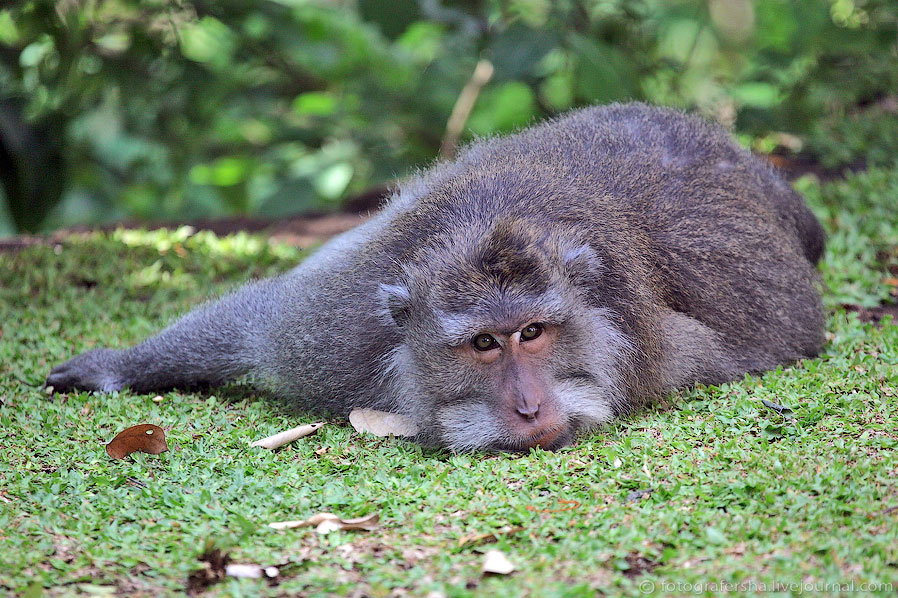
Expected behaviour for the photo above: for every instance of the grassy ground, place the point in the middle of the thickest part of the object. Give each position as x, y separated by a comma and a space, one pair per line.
740, 494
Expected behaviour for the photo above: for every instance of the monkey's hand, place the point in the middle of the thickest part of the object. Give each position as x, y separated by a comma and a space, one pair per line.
94, 370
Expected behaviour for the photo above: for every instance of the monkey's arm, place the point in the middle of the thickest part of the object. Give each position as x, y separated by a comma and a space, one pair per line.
235, 335
210, 345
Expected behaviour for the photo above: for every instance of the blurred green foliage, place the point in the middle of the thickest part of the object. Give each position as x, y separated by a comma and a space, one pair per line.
176, 109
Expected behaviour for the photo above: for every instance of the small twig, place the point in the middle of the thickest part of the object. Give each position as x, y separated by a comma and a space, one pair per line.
488, 537
282, 438
21, 380
324, 523
483, 72
571, 505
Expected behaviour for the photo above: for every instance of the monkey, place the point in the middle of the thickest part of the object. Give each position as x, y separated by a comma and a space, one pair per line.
539, 285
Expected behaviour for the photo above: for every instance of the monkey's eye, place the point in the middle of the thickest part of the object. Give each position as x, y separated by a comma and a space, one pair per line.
531, 332
484, 342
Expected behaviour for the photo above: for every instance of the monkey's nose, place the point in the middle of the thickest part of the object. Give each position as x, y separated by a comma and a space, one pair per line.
528, 409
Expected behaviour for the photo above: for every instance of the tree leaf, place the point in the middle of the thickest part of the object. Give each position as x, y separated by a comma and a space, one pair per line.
495, 562
146, 438
382, 423
327, 522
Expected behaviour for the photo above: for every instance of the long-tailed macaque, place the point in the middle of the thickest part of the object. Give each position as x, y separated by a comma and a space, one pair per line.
537, 286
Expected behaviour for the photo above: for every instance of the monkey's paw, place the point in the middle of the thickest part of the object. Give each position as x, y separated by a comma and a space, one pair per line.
94, 370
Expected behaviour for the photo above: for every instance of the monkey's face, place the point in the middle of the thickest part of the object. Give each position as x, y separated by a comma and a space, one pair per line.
511, 401
537, 380
503, 352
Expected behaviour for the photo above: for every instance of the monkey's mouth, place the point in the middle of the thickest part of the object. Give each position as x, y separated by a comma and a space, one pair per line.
549, 439
542, 439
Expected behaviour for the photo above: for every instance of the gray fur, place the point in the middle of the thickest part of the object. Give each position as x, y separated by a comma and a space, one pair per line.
663, 253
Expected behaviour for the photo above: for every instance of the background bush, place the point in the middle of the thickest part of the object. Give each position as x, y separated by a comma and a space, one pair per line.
162, 109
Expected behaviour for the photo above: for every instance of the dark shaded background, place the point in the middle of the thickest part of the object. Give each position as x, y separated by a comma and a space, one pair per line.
173, 110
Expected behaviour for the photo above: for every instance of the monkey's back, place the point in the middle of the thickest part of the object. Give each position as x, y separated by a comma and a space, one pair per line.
651, 160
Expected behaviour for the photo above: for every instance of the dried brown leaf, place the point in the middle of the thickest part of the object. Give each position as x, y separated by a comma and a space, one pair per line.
382, 423
287, 436
145, 438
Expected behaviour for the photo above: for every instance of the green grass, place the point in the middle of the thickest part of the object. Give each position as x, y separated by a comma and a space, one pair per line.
741, 494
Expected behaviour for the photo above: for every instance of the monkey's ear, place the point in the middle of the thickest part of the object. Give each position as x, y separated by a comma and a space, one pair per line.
396, 302
580, 258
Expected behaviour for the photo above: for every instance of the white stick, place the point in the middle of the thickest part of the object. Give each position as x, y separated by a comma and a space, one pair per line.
273, 442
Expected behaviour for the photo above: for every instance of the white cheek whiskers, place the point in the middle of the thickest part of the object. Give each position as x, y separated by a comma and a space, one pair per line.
470, 426
583, 403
